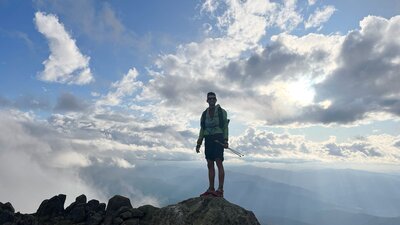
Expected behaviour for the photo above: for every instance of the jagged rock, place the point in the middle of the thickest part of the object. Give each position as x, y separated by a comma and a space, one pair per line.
6, 213
78, 201
194, 211
94, 219
95, 206
7, 207
113, 207
23, 219
52, 207
131, 222
116, 202
77, 214
203, 211
148, 211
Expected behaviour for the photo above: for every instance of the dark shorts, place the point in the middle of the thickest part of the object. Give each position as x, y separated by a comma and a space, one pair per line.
214, 150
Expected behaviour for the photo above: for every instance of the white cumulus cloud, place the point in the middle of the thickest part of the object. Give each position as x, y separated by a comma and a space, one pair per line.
66, 64
319, 17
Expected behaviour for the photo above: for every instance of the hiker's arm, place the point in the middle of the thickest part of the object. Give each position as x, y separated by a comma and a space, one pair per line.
201, 133
201, 136
226, 124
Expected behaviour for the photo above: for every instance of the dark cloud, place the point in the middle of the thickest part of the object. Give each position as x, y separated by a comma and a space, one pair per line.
366, 149
368, 75
344, 150
67, 102
275, 61
266, 143
334, 149
397, 144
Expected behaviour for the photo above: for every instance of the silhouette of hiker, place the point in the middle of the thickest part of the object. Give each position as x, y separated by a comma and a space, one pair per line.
214, 129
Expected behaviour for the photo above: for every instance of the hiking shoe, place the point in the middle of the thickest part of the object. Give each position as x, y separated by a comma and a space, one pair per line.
219, 193
207, 193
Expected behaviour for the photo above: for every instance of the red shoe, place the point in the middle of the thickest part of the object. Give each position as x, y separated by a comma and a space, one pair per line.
207, 193
219, 193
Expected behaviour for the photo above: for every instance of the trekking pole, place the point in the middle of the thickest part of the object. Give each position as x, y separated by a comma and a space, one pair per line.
232, 150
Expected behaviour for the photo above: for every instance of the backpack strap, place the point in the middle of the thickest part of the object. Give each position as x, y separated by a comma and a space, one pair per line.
221, 118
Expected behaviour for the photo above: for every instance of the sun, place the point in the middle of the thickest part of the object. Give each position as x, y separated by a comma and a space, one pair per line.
300, 92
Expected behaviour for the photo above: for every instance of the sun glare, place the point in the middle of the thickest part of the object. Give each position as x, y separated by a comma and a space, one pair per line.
301, 92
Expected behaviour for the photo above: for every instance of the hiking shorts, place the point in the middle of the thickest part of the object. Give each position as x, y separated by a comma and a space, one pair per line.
213, 149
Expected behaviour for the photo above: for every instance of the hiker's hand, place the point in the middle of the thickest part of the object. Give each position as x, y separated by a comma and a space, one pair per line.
226, 144
198, 148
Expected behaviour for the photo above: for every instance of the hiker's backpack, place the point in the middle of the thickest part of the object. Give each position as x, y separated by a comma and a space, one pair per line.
220, 117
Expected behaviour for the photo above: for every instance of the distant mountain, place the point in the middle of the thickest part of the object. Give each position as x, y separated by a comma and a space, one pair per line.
278, 197
361, 191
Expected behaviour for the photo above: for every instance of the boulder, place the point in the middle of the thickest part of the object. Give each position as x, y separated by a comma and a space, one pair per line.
78, 201
194, 211
204, 210
6, 213
52, 207
114, 205
77, 214
116, 202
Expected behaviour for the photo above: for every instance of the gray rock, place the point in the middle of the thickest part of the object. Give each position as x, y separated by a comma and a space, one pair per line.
6, 216
148, 211
81, 199
117, 221
52, 207
101, 208
116, 202
194, 211
25, 219
131, 222
137, 213
6, 213
7, 207
92, 205
113, 207
200, 211
78, 201
125, 215
77, 214
94, 219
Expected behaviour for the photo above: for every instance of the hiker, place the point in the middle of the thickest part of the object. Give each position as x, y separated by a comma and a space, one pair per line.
214, 129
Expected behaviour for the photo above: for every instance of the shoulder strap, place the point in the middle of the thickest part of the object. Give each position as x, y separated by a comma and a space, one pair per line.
221, 118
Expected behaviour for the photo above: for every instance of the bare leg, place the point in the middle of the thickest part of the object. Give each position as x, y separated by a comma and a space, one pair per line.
221, 174
211, 174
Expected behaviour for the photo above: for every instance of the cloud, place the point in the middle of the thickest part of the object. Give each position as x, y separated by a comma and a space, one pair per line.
67, 102
29, 156
366, 77
66, 64
312, 2
319, 17
286, 17
98, 21
123, 88
259, 145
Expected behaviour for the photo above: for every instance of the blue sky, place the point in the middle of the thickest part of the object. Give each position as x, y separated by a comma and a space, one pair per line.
114, 82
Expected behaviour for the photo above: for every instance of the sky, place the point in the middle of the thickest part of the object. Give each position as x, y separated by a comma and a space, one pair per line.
122, 83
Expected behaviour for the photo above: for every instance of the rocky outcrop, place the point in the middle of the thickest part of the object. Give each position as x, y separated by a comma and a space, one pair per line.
119, 211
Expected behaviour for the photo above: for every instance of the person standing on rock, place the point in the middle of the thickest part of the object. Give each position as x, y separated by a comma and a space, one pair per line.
214, 129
